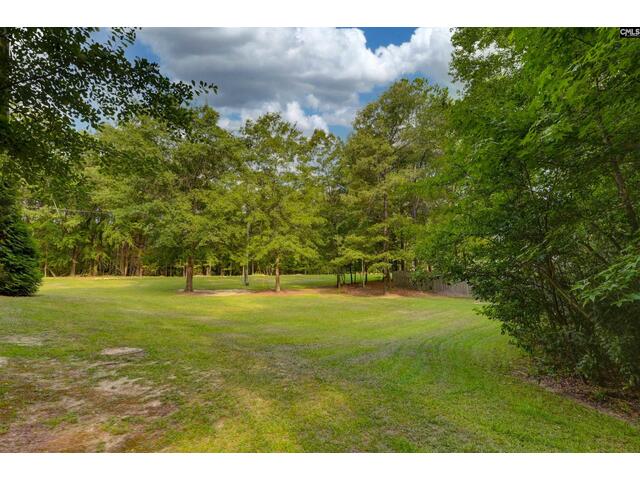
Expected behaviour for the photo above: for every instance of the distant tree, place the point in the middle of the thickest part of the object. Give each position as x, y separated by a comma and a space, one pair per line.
193, 209
53, 80
287, 219
391, 149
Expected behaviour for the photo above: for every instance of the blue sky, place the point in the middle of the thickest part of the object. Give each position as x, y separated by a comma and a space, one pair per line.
318, 78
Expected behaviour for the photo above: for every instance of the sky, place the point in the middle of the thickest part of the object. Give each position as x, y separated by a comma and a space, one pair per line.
317, 77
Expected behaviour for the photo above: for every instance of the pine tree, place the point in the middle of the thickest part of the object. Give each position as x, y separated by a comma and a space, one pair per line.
19, 270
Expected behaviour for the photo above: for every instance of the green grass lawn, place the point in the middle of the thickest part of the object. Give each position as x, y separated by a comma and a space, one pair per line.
316, 371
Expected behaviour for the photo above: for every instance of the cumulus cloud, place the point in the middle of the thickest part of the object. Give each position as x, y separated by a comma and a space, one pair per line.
313, 75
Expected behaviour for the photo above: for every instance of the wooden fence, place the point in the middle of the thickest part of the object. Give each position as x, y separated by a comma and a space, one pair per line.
435, 285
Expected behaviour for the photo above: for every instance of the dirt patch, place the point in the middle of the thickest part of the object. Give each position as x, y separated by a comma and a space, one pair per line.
78, 406
4, 361
302, 291
373, 289
376, 289
118, 351
623, 405
123, 386
22, 340
86, 437
228, 292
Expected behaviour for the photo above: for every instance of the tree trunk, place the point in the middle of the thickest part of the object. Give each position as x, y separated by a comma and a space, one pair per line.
189, 274
245, 275
623, 193
74, 261
5, 65
621, 184
278, 273
140, 266
363, 278
385, 280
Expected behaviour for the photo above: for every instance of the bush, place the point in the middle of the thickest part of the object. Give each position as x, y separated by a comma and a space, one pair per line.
19, 267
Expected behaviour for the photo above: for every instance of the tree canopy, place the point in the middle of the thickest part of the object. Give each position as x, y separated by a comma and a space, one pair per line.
53, 80
526, 185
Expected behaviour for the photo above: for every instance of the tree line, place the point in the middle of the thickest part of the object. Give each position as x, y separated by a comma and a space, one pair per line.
525, 184
159, 201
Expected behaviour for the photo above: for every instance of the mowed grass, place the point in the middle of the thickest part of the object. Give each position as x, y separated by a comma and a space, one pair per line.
310, 371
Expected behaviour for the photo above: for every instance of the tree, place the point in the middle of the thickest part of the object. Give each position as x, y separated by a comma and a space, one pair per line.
390, 151
287, 216
192, 214
19, 269
543, 193
54, 79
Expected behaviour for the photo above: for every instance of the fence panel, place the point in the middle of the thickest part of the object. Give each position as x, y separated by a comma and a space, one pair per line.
436, 285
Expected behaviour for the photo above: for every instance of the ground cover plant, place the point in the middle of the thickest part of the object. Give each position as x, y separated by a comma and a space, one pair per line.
309, 369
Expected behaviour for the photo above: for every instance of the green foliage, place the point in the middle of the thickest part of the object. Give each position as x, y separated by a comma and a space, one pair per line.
19, 268
53, 79
286, 216
540, 193
527, 186
395, 147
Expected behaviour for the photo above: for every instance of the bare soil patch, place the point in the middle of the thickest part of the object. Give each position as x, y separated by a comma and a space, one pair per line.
118, 351
623, 405
376, 289
77, 406
22, 340
372, 289
227, 292
123, 386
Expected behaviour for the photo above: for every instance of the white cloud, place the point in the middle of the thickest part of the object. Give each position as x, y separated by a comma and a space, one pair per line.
313, 75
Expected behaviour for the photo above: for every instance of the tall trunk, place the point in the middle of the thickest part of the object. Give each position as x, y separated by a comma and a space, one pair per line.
621, 185
350, 274
385, 280
245, 267
623, 193
140, 266
278, 273
363, 273
74, 261
189, 274
5, 66
124, 260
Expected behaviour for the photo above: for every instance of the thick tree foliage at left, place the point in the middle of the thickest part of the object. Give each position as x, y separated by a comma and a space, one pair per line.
19, 263
56, 82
